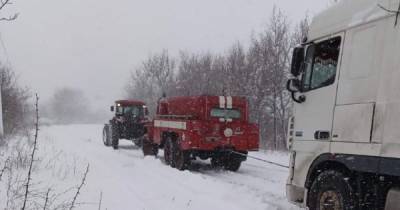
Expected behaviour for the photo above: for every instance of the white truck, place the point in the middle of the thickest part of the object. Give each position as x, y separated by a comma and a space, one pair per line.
344, 135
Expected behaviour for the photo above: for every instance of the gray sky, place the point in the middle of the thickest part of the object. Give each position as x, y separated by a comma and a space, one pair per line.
94, 44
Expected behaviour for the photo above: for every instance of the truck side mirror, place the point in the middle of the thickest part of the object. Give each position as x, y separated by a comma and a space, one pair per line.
297, 61
293, 85
112, 108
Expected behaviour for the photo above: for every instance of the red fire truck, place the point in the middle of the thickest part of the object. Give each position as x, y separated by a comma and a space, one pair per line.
215, 127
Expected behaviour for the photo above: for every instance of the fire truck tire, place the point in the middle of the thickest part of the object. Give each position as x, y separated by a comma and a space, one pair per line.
148, 148
232, 163
181, 158
217, 162
331, 190
168, 152
106, 136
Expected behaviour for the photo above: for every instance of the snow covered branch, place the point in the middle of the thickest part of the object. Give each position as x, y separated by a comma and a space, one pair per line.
29, 178
79, 188
4, 3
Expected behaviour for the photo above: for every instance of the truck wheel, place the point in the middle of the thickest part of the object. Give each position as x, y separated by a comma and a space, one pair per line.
149, 148
232, 163
181, 159
106, 136
168, 153
217, 162
331, 190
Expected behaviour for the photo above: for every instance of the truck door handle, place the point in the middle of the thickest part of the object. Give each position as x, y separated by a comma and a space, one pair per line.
322, 135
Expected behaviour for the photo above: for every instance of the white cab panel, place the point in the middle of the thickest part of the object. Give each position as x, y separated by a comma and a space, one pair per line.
353, 123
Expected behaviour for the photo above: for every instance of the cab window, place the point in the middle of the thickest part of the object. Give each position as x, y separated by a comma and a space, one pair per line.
225, 113
321, 64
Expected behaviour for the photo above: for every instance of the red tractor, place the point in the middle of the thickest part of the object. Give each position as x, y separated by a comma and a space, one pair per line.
128, 123
204, 127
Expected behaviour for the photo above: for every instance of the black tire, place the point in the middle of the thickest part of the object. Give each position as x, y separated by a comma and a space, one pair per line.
115, 137
232, 163
332, 190
168, 152
217, 162
106, 136
148, 148
139, 141
181, 158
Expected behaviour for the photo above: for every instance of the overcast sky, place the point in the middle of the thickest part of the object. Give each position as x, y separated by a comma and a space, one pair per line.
94, 44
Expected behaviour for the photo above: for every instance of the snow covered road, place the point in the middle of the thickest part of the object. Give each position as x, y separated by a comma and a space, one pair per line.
129, 181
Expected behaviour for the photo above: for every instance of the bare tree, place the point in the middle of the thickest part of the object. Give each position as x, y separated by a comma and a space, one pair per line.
16, 111
69, 105
151, 79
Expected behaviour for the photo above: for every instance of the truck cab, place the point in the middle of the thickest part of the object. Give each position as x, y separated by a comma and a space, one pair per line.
343, 136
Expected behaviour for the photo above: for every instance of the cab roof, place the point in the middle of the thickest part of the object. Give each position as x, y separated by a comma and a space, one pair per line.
130, 102
347, 14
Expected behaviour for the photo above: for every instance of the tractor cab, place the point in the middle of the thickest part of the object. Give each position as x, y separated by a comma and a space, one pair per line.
128, 122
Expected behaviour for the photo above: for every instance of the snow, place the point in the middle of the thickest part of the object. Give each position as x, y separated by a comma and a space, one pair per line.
127, 180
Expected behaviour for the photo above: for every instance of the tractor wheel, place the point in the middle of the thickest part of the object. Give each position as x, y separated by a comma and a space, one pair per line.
139, 141
232, 163
115, 138
168, 152
106, 136
149, 148
331, 190
181, 158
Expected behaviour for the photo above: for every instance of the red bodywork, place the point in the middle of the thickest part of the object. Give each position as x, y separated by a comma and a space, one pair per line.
190, 120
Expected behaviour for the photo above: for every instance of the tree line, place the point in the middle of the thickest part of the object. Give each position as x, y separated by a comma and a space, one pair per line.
258, 72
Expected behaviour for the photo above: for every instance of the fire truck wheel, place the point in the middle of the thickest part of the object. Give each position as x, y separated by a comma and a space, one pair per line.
331, 190
149, 148
106, 136
168, 152
232, 163
181, 159
216, 162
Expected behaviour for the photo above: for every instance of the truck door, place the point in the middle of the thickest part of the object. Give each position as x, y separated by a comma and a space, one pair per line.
311, 125
313, 118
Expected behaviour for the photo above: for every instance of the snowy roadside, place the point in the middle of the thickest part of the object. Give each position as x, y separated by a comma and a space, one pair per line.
127, 180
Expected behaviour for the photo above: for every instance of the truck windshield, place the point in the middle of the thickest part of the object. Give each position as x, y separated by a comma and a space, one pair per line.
225, 113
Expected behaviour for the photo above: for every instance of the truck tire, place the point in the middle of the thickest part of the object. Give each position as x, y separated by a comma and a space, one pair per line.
106, 136
168, 152
232, 163
331, 190
148, 148
181, 158
217, 162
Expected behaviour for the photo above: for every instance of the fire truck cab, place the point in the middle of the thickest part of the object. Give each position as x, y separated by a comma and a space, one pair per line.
215, 127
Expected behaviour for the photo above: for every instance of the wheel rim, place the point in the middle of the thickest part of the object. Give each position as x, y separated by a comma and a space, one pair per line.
330, 200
